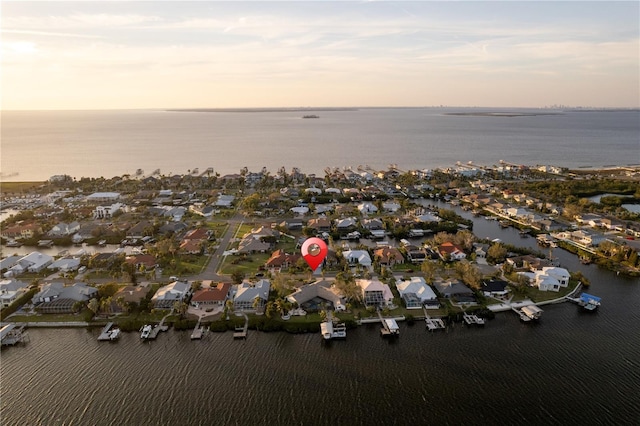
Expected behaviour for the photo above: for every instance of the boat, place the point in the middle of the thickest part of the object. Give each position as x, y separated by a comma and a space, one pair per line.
532, 312
45, 243
504, 224
102, 243
145, 331
114, 333
586, 260
311, 116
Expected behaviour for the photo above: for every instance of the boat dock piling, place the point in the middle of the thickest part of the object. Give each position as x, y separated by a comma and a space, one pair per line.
472, 319
389, 326
241, 332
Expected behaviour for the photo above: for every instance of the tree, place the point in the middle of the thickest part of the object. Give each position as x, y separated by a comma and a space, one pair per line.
496, 253
237, 276
93, 305
469, 274
180, 308
429, 270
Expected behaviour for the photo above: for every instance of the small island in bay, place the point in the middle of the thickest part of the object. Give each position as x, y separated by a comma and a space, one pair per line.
142, 253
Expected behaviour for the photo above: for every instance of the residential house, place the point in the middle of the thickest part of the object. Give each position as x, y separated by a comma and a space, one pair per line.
130, 294
391, 207
416, 293
10, 290
20, 230
166, 296
586, 238
321, 224
357, 257
367, 207
247, 293
312, 295
346, 225
106, 212
280, 260
142, 262
427, 218
388, 256
375, 293
57, 298
291, 224
373, 224
212, 296
65, 264
63, 229
33, 262
494, 288
8, 262
101, 197
549, 278
449, 251
455, 290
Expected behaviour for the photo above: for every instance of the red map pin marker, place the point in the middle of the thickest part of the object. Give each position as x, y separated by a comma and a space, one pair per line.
314, 250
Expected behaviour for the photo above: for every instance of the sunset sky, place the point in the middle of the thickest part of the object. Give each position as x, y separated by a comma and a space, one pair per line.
102, 55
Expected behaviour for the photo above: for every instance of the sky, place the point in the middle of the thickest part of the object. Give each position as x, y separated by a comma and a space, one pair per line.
202, 54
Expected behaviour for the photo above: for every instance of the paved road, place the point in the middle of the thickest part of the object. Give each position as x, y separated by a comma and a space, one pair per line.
211, 271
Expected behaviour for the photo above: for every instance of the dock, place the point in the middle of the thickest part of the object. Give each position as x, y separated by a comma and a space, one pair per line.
241, 332
432, 323
10, 334
389, 326
472, 319
197, 332
106, 334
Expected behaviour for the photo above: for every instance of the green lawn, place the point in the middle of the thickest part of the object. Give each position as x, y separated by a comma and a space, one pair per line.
248, 266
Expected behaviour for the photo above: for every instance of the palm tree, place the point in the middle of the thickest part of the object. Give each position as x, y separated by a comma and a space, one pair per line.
228, 306
257, 303
93, 305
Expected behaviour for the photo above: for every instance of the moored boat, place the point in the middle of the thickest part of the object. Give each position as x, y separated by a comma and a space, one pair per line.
145, 331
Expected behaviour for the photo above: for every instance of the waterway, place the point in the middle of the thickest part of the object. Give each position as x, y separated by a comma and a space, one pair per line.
571, 368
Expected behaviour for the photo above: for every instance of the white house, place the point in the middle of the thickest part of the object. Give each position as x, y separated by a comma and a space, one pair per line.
549, 278
65, 264
391, 207
416, 293
33, 262
367, 207
106, 212
321, 289
62, 229
166, 296
246, 294
10, 290
103, 197
355, 257
375, 293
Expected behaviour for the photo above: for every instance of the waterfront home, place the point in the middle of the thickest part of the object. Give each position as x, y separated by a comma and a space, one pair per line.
131, 294
65, 264
375, 293
57, 298
455, 290
63, 229
494, 288
8, 262
27, 230
388, 256
549, 278
10, 290
373, 224
427, 218
246, 294
212, 296
449, 251
312, 295
166, 296
357, 257
33, 262
416, 293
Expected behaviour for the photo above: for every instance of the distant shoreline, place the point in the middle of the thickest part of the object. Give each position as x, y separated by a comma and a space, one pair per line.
502, 114
327, 109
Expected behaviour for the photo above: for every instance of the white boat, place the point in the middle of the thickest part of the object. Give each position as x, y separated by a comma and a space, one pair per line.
145, 331
114, 333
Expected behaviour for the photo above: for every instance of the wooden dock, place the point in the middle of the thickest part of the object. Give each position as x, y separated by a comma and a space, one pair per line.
432, 323
389, 326
10, 334
471, 319
197, 332
241, 332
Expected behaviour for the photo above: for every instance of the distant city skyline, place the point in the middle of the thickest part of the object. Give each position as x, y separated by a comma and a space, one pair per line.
129, 55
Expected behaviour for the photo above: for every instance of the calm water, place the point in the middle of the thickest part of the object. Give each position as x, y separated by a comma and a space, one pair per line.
37, 145
571, 368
